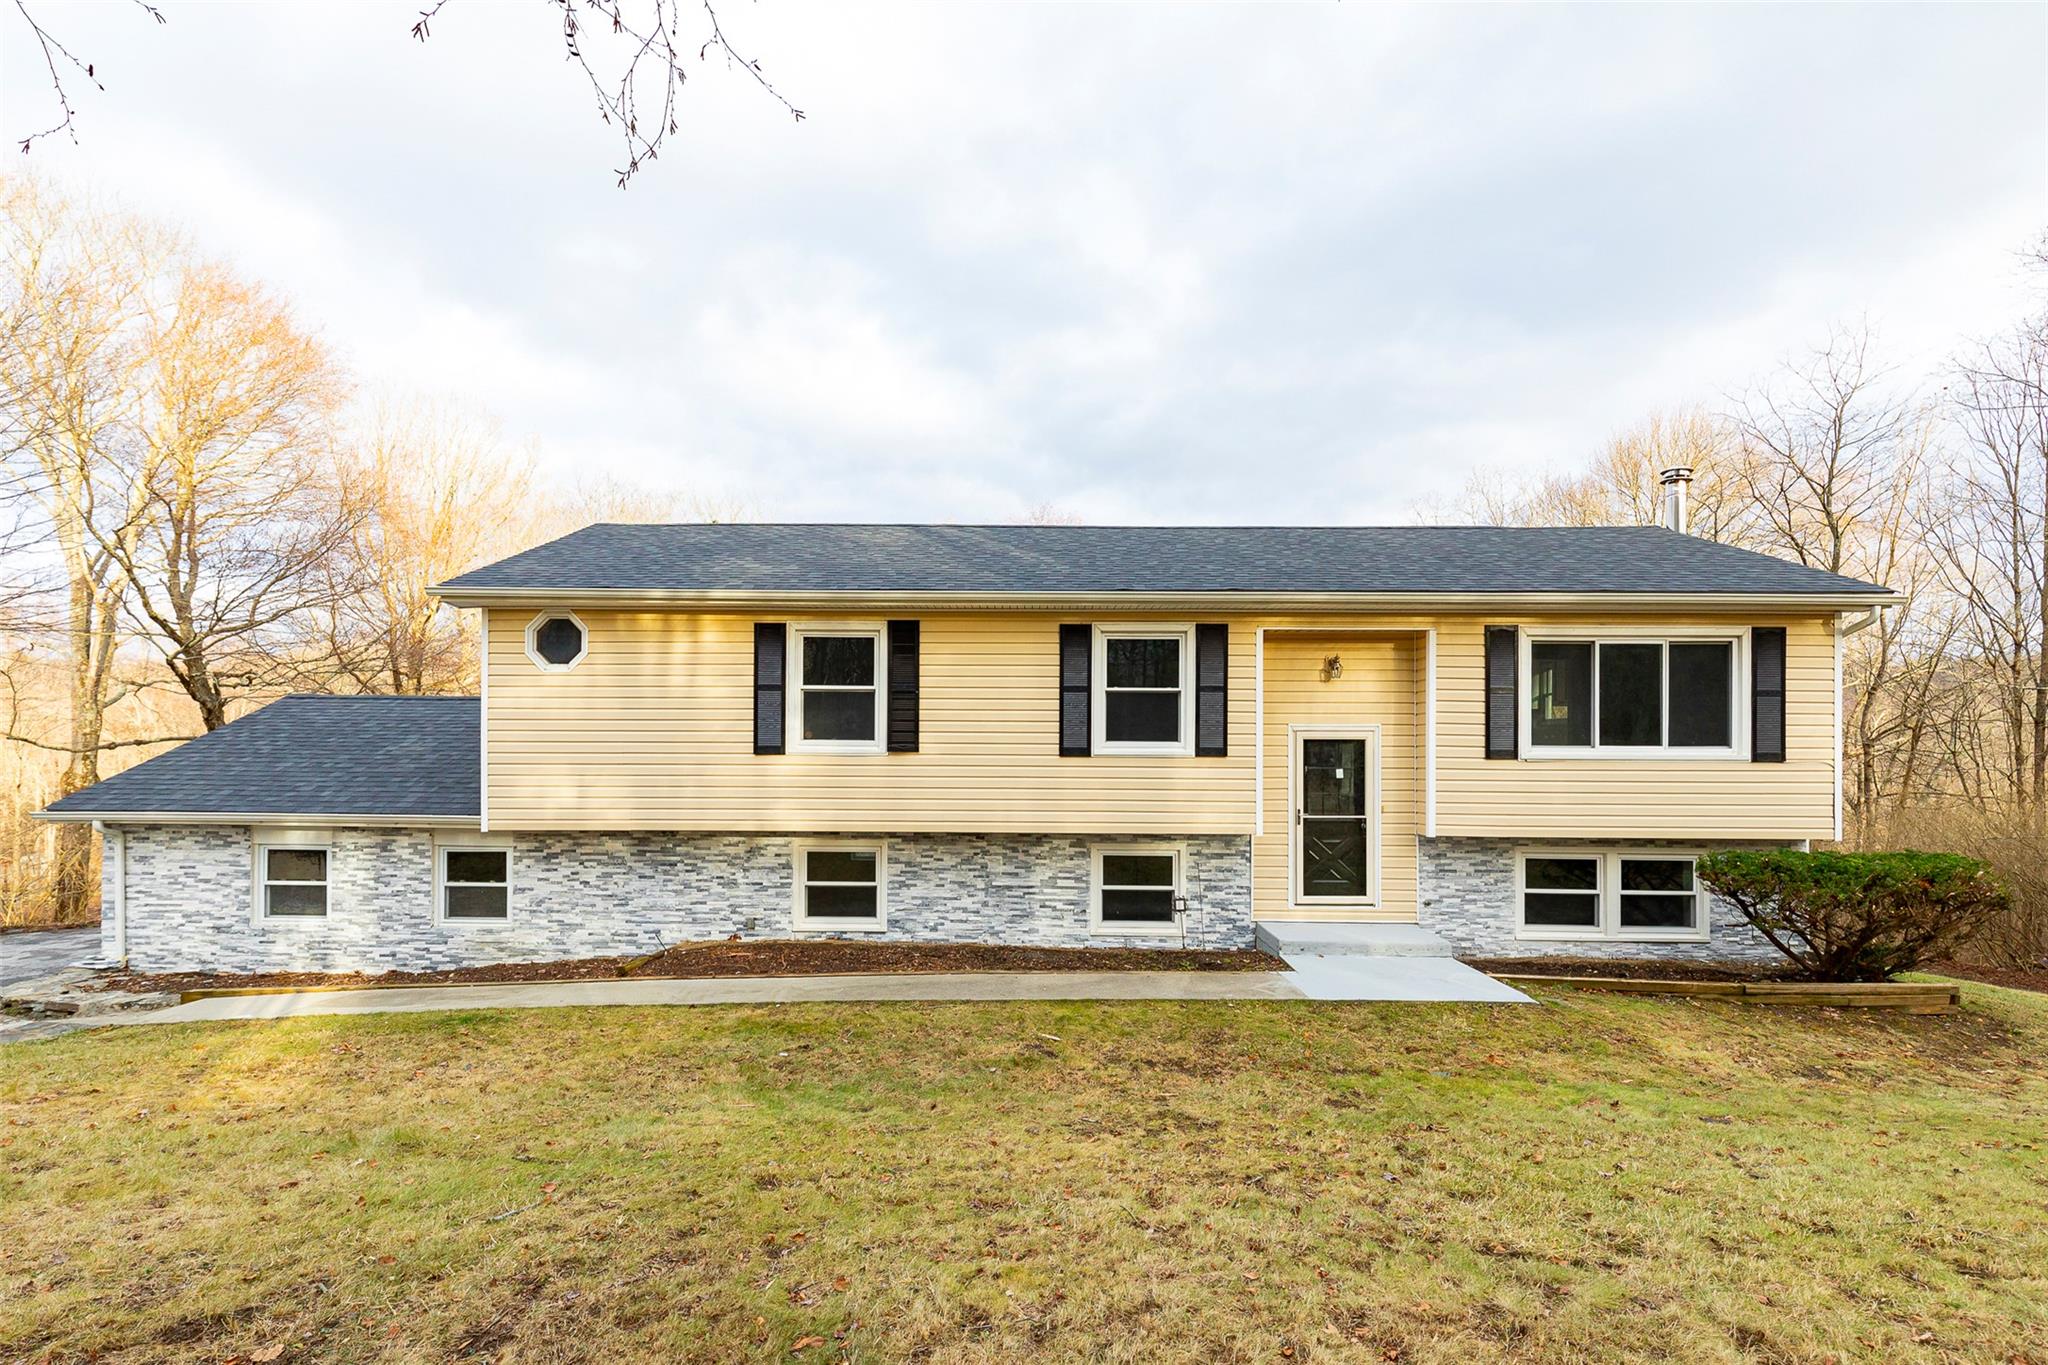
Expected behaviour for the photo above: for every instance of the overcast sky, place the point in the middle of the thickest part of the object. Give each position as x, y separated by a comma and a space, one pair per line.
1206, 265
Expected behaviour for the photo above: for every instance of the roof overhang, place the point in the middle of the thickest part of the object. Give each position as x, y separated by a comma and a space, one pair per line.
673, 599
179, 817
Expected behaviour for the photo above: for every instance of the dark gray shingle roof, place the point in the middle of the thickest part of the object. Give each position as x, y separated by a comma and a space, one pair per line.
311, 755
742, 558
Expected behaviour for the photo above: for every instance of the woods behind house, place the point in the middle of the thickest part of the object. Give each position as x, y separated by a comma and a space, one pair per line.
200, 512
1935, 485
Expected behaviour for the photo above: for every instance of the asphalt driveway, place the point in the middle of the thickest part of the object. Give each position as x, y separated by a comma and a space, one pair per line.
28, 954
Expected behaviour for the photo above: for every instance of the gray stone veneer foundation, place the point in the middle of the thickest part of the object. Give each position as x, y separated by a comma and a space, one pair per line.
191, 896
1466, 893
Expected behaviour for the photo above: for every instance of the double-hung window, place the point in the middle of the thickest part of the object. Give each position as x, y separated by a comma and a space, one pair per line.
476, 883
837, 692
1144, 702
1632, 695
291, 881
1574, 894
1137, 889
839, 886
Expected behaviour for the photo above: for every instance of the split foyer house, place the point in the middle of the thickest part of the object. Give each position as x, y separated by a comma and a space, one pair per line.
1518, 738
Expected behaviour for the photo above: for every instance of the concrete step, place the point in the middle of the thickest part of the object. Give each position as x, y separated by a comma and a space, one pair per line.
1283, 937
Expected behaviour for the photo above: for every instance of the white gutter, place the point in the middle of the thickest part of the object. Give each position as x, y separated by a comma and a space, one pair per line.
1412, 603
114, 844
1870, 618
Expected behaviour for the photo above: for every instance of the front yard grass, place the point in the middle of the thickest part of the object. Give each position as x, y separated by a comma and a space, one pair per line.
1611, 1177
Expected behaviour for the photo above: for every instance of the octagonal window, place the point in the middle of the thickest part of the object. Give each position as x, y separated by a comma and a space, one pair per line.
557, 642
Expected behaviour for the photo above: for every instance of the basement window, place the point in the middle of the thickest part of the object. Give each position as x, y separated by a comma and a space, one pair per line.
1136, 890
291, 881
1639, 896
839, 887
476, 883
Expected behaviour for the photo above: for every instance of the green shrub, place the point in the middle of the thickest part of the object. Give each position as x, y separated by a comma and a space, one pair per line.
1858, 916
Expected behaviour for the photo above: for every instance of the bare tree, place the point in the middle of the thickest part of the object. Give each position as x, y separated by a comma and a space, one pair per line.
632, 52
57, 60
1620, 485
637, 61
76, 285
1829, 450
1994, 539
445, 493
243, 506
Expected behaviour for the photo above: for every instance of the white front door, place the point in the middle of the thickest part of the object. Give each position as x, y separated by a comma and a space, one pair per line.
1335, 786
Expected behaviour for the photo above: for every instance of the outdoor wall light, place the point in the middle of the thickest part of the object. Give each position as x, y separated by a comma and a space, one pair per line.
1333, 668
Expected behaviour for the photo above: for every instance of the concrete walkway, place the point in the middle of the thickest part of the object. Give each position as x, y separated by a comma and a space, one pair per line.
1334, 978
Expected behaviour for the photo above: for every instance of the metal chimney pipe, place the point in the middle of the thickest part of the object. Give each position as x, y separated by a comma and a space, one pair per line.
1676, 482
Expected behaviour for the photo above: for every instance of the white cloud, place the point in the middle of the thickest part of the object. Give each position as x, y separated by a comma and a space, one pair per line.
1143, 264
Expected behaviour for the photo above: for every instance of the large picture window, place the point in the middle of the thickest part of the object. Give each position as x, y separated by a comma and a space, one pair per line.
1645, 896
1143, 701
835, 700
1634, 695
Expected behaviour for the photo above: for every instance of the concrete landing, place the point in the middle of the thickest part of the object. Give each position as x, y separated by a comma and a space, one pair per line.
1285, 937
1362, 976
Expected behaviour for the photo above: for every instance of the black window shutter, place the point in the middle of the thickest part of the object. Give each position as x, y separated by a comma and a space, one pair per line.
771, 645
903, 687
1212, 690
1767, 694
1077, 647
1503, 690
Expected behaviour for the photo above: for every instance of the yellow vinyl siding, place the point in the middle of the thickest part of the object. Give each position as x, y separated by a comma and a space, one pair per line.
654, 730
1637, 798
1380, 685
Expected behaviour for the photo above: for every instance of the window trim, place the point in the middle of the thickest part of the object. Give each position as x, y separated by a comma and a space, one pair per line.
1737, 638
441, 883
1099, 689
291, 841
877, 634
1097, 926
533, 644
800, 920
1610, 929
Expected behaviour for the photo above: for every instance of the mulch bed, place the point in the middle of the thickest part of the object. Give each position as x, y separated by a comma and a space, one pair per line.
1628, 969
2018, 978
752, 957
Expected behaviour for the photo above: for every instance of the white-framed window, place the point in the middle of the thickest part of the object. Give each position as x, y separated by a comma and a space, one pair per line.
1144, 700
1631, 692
837, 688
557, 641
841, 886
473, 883
1629, 895
1135, 888
291, 879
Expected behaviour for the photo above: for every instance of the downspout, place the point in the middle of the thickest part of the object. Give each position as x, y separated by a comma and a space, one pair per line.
1842, 632
114, 844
